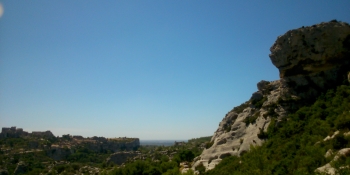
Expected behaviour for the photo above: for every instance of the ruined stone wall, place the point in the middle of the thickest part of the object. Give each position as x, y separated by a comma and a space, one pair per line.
12, 132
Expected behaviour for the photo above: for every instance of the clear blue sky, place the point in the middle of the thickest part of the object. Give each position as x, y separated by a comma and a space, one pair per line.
159, 69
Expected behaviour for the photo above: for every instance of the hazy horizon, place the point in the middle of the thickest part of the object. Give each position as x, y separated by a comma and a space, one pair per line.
144, 69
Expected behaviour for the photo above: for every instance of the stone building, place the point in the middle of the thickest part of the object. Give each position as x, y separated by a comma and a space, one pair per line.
14, 132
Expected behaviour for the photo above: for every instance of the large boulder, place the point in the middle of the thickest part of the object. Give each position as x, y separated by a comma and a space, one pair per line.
313, 49
313, 59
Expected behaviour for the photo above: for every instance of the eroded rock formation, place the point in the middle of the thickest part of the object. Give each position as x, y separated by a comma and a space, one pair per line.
241, 128
310, 60
324, 47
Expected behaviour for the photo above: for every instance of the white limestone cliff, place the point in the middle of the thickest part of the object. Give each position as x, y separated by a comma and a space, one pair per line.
310, 60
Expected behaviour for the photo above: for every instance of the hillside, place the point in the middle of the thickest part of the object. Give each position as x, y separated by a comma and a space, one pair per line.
298, 144
299, 124
311, 60
43, 153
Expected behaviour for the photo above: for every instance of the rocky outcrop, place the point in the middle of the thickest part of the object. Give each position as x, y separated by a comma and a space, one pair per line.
325, 46
328, 169
121, 157
242, 128
310, 60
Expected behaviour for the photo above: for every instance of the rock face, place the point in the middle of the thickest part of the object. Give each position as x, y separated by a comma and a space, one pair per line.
240, 129
310, 60
324, 47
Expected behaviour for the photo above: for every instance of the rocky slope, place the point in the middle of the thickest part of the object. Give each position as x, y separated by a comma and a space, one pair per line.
310, 60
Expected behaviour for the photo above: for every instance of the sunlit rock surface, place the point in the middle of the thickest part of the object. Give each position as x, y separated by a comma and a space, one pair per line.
310, 60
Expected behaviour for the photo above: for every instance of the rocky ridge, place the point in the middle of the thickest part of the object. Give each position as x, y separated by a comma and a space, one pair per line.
310, 60
14, 132
59, 148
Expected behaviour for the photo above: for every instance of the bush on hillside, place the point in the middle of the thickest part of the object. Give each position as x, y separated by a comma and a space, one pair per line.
295, 145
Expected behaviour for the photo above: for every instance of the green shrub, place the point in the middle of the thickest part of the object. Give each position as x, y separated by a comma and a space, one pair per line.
343, 121
241, 107
227, 127
200, 168
295, 145
271, 111
186, 155
209, 144
339, 141
251, 119
262, 134
259, 103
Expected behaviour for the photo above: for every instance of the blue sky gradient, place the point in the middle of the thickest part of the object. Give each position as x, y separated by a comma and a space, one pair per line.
147, 69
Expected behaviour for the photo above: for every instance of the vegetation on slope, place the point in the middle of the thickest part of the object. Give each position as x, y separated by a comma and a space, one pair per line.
295, 145
161, 164
155, 159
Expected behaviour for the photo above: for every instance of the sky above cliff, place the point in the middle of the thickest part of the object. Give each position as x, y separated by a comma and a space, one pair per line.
146, 69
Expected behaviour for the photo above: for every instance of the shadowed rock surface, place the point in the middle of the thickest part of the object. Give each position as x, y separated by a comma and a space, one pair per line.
311, 59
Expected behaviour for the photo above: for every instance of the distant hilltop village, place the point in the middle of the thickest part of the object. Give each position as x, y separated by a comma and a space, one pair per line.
60, 147
14, 132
